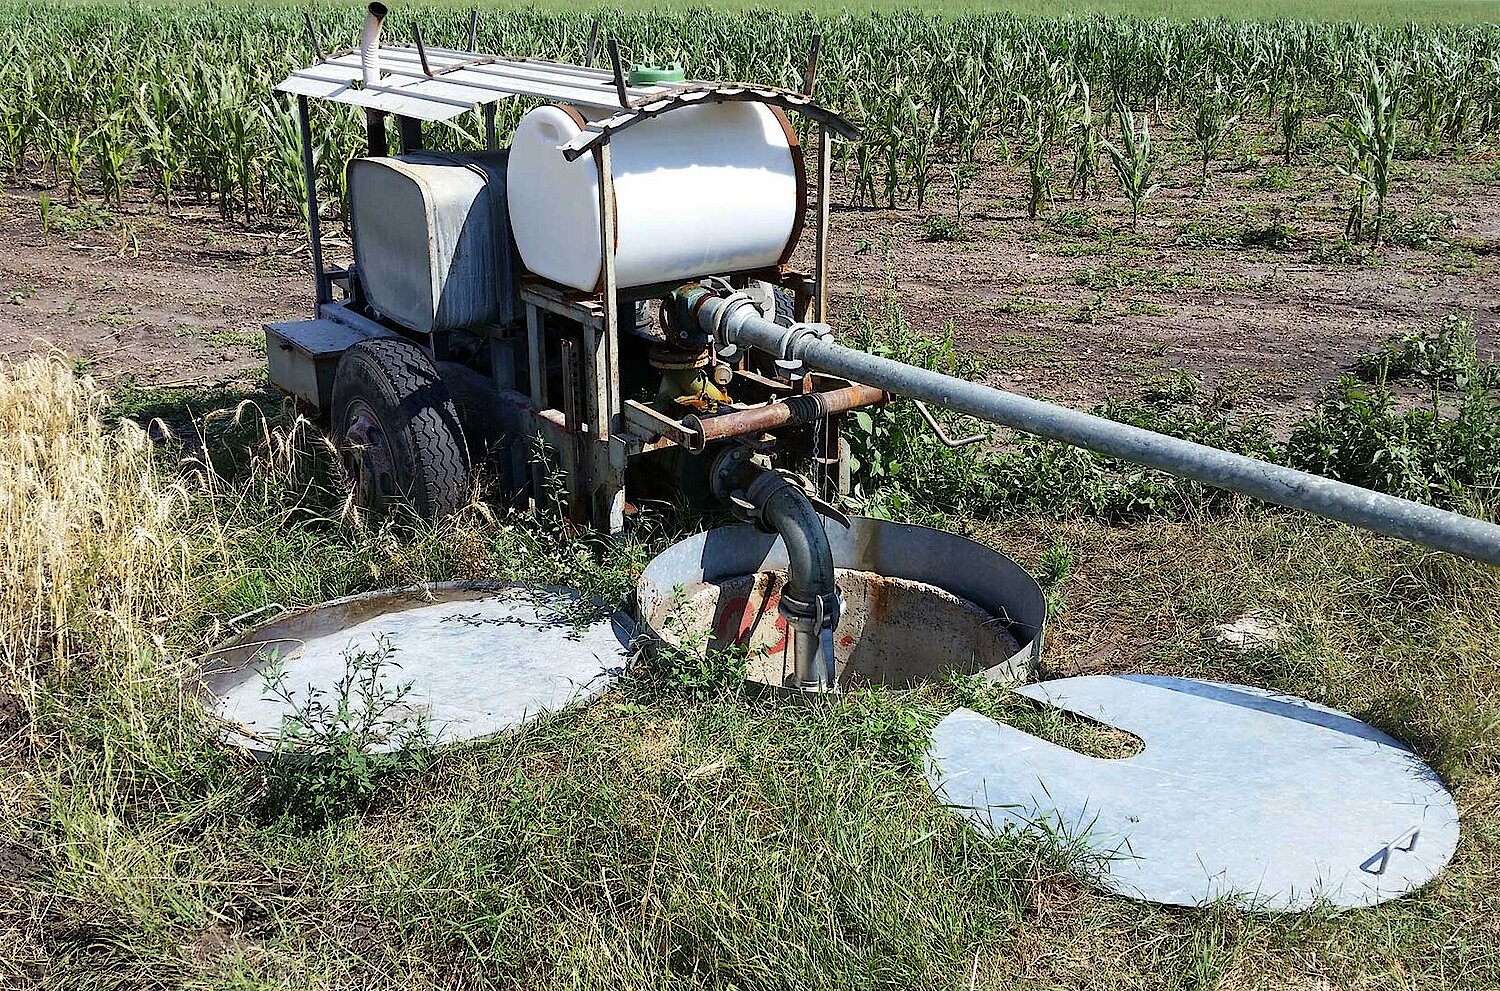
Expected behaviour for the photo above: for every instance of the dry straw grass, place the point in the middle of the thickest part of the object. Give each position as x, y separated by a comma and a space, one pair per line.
94, 547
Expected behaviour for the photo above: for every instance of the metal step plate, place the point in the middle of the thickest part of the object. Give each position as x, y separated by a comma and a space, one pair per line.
1268, 801
480, 658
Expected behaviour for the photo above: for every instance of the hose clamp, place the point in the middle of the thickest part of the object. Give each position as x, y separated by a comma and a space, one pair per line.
820, 611
799, 332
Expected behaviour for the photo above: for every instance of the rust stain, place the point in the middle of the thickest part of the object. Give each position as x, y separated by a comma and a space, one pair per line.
879, 600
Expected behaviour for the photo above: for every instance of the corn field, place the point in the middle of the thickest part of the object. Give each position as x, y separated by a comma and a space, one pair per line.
178, 99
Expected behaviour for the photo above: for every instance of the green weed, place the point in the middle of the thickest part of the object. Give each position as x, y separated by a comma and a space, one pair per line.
336, 746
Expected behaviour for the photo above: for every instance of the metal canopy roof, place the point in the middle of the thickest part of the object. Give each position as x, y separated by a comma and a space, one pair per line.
461, 81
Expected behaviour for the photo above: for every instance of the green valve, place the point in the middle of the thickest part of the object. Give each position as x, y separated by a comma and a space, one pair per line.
646, 74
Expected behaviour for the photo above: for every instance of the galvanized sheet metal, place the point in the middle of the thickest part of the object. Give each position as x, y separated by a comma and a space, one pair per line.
1266, 800
462, 81
482, 657
432, 238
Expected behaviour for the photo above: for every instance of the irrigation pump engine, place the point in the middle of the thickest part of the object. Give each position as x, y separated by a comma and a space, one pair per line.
618, 283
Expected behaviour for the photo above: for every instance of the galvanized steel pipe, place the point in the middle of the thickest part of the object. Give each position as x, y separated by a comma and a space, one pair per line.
736, 320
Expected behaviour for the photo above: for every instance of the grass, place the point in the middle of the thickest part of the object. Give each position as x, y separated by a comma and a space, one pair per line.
1363, 11
656, 838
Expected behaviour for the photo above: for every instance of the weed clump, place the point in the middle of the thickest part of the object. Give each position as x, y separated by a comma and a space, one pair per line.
336, 746
689, 662
1447, 356
1446, 452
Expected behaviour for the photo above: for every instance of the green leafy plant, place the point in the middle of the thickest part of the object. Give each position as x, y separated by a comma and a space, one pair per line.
941, 227
689, 661
1214, 115
1054, 567
1294, 109
1370, 137
336, 746
1086, 140
892, 726
1134, 162
1445, 454
1449, 355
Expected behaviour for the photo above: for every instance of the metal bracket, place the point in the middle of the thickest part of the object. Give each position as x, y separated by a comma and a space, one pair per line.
942, 435
653, 424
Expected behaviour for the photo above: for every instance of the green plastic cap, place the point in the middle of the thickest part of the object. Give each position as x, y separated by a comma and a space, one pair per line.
646, 74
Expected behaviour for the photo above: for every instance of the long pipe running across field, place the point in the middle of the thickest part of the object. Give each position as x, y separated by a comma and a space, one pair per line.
734, 319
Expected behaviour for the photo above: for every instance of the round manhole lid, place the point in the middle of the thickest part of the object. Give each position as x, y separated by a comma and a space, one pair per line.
474, 659
1269, 801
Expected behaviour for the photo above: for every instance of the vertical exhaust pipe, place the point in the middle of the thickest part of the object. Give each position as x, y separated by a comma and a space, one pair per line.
369, 65
369, 44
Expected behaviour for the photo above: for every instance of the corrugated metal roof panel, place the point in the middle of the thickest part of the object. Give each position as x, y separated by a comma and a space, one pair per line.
461, 81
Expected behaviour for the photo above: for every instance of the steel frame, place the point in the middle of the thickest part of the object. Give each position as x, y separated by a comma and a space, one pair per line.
593, 432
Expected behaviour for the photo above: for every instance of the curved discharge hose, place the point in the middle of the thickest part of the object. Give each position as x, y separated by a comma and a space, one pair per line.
810, 599
369, 44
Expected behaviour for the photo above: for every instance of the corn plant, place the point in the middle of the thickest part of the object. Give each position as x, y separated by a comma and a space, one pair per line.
1370, 137
183, 92
1214, 115
1134, 161
1045, 109
1294, 108
1085, 146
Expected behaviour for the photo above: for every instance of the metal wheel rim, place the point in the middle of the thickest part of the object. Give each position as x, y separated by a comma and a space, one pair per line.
367, 454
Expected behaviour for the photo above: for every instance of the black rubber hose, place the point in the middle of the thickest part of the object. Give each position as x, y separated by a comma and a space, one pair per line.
809, 558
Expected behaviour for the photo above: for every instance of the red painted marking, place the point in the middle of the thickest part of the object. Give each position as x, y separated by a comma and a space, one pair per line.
732, 620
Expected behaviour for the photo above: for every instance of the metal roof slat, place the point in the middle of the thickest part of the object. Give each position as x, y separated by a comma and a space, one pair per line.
463, 80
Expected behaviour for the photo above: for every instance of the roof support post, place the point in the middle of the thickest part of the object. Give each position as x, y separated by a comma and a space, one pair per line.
322, 287
602, 361
820, 250
375, 139
410, 129
614, 62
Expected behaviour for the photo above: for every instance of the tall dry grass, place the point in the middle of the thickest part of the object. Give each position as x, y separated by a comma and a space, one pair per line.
95, 546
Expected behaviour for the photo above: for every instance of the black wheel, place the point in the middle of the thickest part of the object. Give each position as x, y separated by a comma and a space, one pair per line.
397, 431
786, 307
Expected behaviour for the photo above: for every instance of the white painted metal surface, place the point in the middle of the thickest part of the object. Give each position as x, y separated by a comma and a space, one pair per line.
699, 191
460, 82
1267, 800
480, 659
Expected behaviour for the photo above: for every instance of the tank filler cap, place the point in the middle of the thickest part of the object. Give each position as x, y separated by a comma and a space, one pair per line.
653, 74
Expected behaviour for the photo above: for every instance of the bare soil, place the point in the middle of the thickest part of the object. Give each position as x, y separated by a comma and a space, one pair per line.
1245, 287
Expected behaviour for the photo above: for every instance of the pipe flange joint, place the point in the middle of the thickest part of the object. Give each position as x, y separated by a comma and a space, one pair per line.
763, 488
733, 302
797, 333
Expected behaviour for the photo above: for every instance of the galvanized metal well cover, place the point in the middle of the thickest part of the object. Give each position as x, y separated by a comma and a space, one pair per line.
481, 657
1268, 801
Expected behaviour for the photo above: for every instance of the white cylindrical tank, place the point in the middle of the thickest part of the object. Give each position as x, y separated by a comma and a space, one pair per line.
699, 190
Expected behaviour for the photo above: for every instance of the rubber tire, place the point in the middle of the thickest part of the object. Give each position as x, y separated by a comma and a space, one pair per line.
397, 382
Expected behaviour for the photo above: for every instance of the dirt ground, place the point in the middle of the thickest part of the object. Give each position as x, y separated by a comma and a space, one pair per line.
1245, 287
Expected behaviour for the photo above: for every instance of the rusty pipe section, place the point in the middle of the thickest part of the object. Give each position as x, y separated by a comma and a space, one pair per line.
735, 319
792, 411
